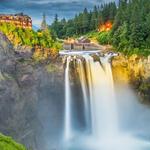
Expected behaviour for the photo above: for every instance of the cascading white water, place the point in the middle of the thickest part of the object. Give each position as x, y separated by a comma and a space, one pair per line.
110, 99
102, 98
104, 122
68, 124
84, 90
89, 61
100, 84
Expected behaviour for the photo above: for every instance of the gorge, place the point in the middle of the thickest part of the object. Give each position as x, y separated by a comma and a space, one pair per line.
78, 81
79, 106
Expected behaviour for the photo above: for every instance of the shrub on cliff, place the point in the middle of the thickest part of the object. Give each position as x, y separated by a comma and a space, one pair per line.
20, 36
44, 40
144, 89
104, 38
7, 143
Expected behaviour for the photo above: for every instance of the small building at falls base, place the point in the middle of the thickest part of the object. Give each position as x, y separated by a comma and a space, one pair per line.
82, 43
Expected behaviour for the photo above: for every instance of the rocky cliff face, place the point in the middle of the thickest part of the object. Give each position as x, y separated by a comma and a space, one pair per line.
6, 48
30, 95
134, 70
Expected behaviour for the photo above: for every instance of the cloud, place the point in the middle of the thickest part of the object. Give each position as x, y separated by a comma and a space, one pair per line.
35, 8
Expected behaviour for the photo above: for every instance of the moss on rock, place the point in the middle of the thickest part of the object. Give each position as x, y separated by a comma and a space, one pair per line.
134, 70
7, 143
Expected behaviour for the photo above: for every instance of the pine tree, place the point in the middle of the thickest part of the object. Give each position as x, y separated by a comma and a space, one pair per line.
94, 19
85, 21
56, 19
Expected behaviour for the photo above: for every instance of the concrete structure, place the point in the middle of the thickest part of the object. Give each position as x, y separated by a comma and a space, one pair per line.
19, 20
82, 43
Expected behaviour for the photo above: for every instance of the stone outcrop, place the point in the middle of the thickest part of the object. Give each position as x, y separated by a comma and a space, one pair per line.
7, 59
134, 70
30, 94
6, 48
24, 52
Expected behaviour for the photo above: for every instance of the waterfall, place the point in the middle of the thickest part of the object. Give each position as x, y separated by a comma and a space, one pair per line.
84, 91
101, 91
102, 98
99, 104
68, 124
89, 61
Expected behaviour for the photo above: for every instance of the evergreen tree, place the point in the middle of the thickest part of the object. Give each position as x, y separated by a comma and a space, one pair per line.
94, 19
131, 25
85, 21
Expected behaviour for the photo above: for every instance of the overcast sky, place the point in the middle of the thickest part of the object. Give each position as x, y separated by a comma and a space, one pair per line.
35, 8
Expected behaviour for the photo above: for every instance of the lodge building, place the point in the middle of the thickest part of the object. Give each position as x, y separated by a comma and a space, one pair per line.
19, 20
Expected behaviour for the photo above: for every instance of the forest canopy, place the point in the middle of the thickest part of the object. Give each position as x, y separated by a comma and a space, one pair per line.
130, 32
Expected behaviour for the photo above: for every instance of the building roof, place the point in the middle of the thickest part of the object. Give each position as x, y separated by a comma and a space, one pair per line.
19, 15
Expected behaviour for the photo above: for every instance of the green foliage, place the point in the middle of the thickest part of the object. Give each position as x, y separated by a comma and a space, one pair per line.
84, 22
104, 38
93, 35
131, 26
131, 30
20, 36
144, 89
7, 143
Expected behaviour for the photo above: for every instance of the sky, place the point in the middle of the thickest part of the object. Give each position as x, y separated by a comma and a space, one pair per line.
35, 8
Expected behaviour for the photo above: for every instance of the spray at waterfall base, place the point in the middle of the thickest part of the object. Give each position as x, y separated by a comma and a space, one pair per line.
101, 130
